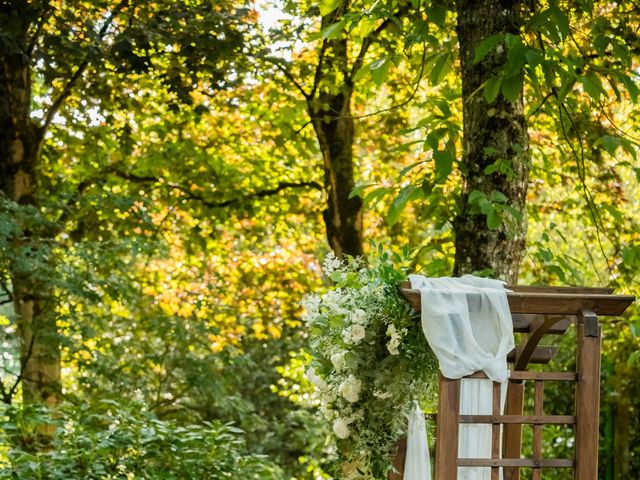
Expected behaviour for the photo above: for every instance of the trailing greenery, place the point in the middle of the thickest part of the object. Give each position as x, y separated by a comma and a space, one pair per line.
371, 362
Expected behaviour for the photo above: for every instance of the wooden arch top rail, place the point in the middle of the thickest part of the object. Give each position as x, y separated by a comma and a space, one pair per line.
551, 300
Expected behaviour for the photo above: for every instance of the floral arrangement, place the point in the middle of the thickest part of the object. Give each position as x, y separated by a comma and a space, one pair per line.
370, 361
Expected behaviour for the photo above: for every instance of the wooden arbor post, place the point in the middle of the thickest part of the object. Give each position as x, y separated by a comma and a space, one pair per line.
536, 312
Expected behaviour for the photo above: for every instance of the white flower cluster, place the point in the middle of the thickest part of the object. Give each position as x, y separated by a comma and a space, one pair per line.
358, 331
396, 337
354, 334
331, 264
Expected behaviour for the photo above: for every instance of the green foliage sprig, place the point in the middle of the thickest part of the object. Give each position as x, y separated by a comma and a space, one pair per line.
370, 361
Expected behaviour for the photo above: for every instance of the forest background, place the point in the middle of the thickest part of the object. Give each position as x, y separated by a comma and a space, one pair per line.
172, 174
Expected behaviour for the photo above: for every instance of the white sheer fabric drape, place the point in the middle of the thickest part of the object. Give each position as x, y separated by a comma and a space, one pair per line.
468, 325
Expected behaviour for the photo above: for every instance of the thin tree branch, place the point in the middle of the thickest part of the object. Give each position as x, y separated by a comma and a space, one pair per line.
613, 124
317, 77
281, 186
371, 38
591, 204
44, 16
68, 88
20, 377
406, 101
552, 93
289, 76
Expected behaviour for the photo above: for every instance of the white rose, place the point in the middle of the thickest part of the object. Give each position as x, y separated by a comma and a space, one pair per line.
316, 379
382, 395
393, 345
391, 330
346, 335
357, 333
327, 412
350, 389
359, 316
338, 361
340, 428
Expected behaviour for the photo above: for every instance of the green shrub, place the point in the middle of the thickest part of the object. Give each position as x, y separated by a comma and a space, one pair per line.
116, 441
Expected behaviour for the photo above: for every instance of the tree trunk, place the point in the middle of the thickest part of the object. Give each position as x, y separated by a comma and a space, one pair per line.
329, 107
20, 142
623, 419
335, 131
492, 132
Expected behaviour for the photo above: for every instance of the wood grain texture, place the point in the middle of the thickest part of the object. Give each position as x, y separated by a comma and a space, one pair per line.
540, 355
399, 459
495, 430
447, 430
512, 444
538, 409
520, 419
522, 375
523, 322
544, 302
516, 462
587, 397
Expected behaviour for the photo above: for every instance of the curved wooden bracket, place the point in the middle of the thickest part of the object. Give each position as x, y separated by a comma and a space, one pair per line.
539, 327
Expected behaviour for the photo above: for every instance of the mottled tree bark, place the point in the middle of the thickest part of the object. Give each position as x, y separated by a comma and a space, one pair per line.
20, 142
329, 107
496, 131
343, 216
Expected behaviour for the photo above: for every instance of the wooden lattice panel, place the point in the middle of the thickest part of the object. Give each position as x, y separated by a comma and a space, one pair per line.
536, 312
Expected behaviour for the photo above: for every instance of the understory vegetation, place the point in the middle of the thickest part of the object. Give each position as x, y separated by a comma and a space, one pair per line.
173, 173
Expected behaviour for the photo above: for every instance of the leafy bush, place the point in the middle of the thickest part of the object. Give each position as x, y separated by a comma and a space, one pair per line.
116, 441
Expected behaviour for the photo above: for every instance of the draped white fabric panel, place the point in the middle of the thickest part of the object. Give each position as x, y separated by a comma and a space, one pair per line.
468, 325
476, 398
417, 465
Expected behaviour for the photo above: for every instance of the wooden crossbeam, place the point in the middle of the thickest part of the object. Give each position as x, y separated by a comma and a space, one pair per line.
551, 300
520, 419
522, 375
523, 322
540, 355
517, 462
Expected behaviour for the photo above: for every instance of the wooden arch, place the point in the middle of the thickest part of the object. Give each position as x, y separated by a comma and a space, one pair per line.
536, 312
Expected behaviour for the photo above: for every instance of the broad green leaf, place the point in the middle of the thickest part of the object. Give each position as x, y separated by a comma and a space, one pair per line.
493, 219
565, 89
516, 214
498, 197
485, 46
437, 14
358, 189
334, 30
443, 164
405, 195
362, 71
610, 143
561, 21
375, 195
408, 168
593, 86
533, 57
492, 88
512, 87
632, 88
440, 68
380, 70
328, 6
